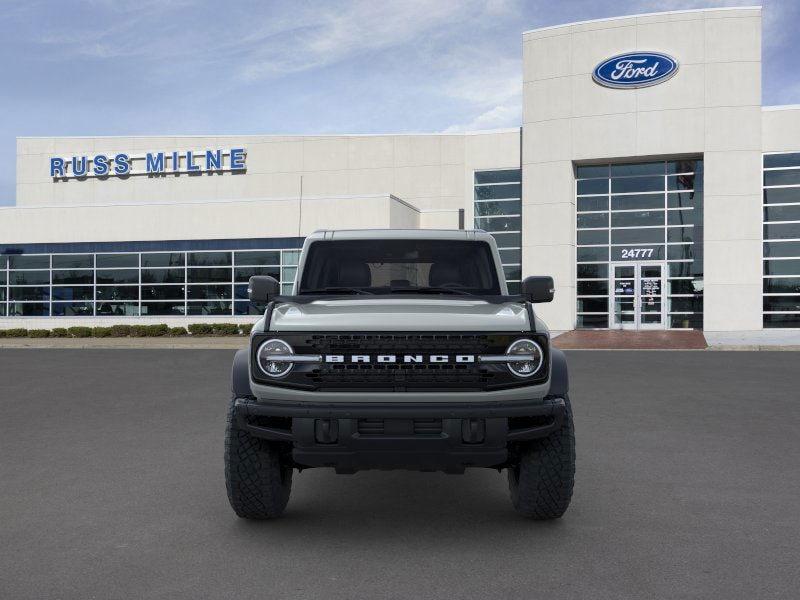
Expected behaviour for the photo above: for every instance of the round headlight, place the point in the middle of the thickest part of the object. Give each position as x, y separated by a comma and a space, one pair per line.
529, 366
266, 361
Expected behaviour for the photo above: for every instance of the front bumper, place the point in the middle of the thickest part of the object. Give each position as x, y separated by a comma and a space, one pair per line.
422, 436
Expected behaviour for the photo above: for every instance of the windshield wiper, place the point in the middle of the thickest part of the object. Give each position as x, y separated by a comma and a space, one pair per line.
337, 290
431, 290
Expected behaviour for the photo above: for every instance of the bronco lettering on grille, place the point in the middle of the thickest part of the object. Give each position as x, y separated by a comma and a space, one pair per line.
404, 358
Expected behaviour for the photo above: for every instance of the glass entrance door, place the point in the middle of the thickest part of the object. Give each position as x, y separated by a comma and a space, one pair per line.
637, 295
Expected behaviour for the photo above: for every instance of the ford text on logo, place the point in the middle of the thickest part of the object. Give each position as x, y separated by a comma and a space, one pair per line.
152, 163
635, 70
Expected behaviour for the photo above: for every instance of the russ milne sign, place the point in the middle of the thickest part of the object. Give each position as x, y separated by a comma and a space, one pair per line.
635, 70
151, 163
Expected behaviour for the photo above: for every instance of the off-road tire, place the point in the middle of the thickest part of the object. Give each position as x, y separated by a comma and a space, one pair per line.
258, 483
541, 483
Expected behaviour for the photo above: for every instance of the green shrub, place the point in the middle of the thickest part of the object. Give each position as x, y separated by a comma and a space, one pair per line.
101, 332
16, 332
80, 332
157, 330
38, 333
177, 331
2, 333
224, 329
59, 332
138, 331
246, 328
201, 329
120, 330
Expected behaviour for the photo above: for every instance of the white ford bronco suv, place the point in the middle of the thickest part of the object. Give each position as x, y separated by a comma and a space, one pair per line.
400, 349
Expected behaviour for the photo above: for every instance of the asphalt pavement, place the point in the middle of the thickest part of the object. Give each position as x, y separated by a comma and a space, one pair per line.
111, 486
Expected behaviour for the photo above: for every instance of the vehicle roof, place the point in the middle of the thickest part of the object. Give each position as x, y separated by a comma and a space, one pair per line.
401, 234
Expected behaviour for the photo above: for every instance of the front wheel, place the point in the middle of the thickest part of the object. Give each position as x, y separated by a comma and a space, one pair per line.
258, 482
541, 482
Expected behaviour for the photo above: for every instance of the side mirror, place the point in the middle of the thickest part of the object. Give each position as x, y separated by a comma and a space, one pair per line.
261, 288
538, 288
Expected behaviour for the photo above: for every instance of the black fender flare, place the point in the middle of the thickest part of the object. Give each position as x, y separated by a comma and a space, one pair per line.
240, 374
559, 376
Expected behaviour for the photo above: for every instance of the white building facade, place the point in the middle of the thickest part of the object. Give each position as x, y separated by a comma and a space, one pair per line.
657, 191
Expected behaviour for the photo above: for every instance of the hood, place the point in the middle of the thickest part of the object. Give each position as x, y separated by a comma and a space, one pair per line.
400, 314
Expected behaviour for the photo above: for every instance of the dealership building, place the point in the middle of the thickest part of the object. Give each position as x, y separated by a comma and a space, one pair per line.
646, 177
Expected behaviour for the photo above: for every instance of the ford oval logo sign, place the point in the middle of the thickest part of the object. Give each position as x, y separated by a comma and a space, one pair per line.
635, 70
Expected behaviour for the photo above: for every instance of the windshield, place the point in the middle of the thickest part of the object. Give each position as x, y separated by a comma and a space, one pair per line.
400, 266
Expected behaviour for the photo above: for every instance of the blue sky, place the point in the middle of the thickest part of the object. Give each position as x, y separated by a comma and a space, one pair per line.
154, 67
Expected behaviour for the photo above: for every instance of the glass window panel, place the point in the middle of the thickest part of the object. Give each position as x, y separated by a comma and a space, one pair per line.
73, 309
3, 308
586, 171
117, 276
648, 168
117, 309
593, 321
73, 277
682, 182
680, 234
684, 166
162, 309
209, 292
163, 276
789, 159
788, 177
787, 320
782, 303
637, 184
2, 277
590, 254
162, 292
685, 286
73, 261
28, 309
637, 219
782, 231
209, 275
593, 305
246, 308
592, 236
81, 292
29, 293
782, 195
686, 321
240, 292
502, 207
501, 176
3, 294
118, 292
209, 259
782, 267
208, 308
683, 217
3, 262
593, 220
595, 203
637, 236
115, 261
592, 186
245, 273
257, 257
637, 202
684, 199
492, 192
593, 288
288, 274
681, 269
512, 273
286, 288
680, 252
693, 304
291, 257
782, 249
507, 240
512, 257
164, 259
29, 277
25, 261
782, 285
782, 213
499, 223
592, 271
